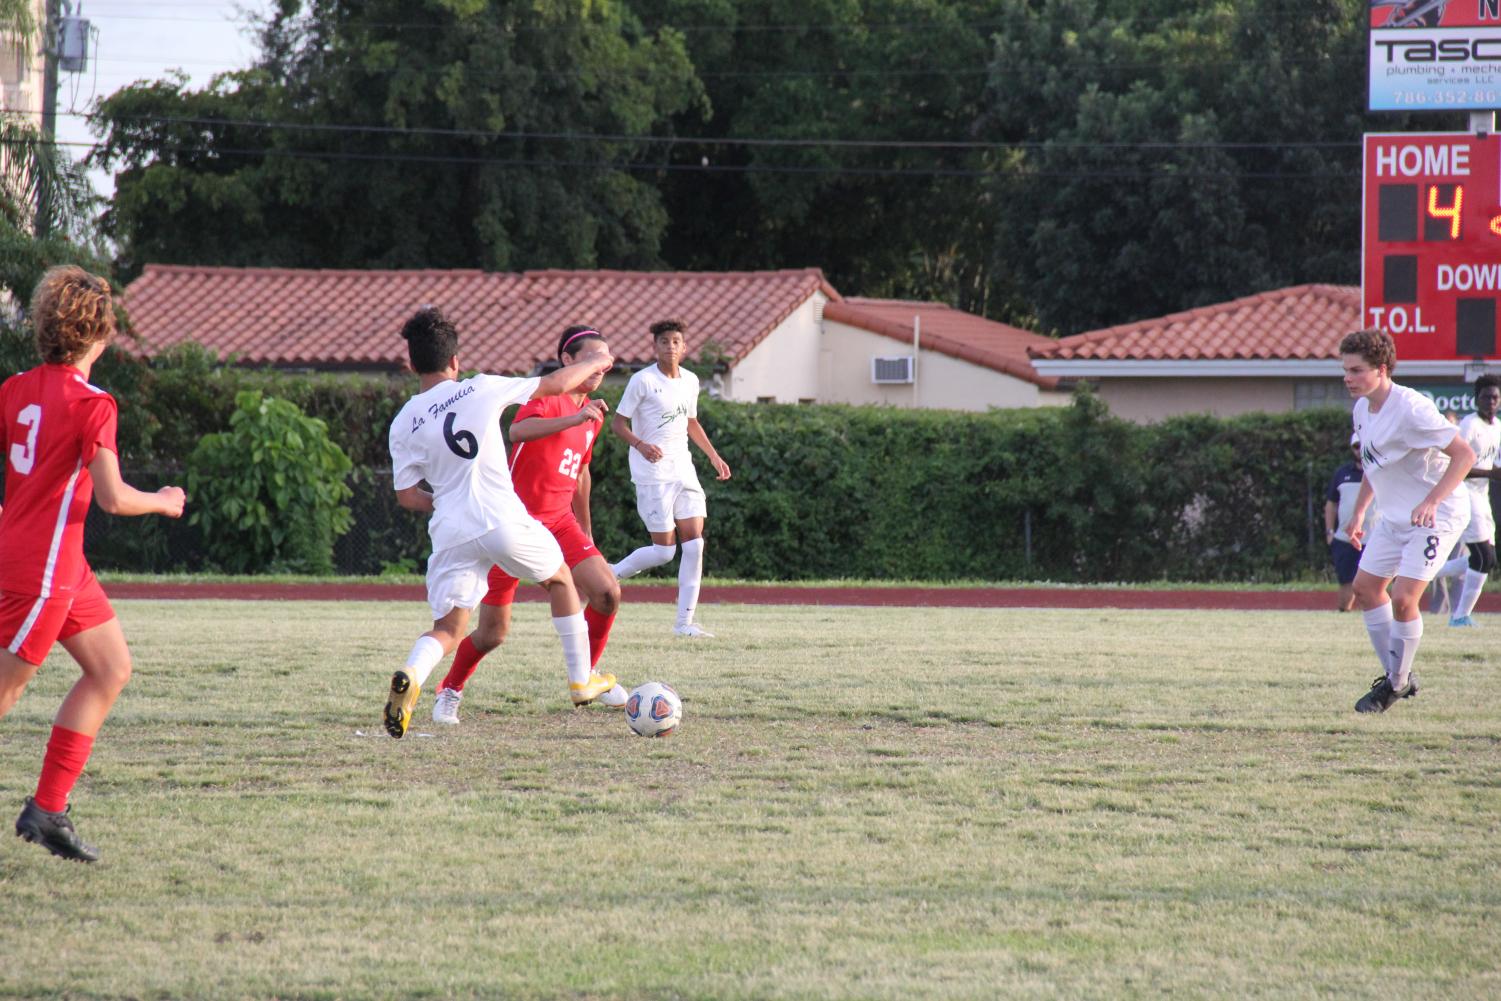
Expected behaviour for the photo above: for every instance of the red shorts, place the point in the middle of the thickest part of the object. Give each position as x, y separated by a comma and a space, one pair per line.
572, 539
29, 625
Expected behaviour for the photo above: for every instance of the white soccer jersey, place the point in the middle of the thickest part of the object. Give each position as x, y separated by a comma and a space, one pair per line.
450, 436
659, 409
1485, 438
1400, 451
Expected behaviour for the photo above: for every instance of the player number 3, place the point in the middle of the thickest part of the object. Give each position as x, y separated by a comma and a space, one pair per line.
571, 462
23, 455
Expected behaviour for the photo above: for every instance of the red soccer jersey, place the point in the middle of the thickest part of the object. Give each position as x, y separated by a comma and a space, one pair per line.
52, 424
546, 470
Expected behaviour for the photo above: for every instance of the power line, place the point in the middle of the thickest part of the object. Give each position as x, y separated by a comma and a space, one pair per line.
730, 141
713, 168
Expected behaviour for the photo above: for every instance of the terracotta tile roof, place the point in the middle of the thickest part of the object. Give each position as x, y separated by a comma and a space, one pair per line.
507, 322
948, 331
1301, 322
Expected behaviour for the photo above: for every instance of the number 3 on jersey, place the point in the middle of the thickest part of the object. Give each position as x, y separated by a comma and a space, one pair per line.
572, 460
23, 455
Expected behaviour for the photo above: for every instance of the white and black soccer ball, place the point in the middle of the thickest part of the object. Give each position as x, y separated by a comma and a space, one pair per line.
654, 710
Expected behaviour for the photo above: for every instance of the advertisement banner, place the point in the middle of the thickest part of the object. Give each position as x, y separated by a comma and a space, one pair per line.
1434, 55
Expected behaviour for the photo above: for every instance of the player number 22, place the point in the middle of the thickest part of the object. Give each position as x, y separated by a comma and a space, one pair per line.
23, 455
571, 462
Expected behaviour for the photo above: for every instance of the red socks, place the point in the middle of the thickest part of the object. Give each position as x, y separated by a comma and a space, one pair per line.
465, 659
599, 632
67, 753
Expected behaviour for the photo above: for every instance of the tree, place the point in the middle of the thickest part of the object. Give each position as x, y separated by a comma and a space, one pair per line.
880, 220
400, 134
1175, 154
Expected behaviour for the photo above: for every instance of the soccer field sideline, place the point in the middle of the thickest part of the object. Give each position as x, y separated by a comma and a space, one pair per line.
1185, 599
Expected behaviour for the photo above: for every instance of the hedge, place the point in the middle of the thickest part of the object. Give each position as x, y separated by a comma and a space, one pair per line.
823, 491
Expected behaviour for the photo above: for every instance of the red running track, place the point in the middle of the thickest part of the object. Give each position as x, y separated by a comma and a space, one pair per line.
771, 594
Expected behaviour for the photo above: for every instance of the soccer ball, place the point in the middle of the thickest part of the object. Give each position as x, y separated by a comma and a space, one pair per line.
654, 710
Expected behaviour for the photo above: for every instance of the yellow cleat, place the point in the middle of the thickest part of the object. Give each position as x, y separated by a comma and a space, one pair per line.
399, 706
584, 692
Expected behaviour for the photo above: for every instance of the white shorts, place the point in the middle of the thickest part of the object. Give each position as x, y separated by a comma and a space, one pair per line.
1482, 527
1396, 550
458, 577
663, 505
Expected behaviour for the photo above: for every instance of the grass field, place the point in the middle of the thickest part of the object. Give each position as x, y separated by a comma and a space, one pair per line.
861, 803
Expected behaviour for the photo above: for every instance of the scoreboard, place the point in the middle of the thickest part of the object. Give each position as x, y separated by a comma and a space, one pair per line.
1431, 247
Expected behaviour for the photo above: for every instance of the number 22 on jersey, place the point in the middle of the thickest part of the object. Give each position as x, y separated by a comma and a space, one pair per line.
23, 454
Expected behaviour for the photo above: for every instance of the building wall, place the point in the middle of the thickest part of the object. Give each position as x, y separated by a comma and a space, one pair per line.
783, 368
943, 382
20, 79
1154, 399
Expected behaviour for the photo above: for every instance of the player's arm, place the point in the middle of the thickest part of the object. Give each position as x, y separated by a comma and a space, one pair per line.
1461, 460
532, 428
415, 499
571, 377
115, 496
700, 437
621, 426
581, 501
1331, 519
1355, 529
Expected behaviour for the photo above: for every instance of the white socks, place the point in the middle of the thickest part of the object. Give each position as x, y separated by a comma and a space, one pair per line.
426, 653
1465, 604
1455, 567
644, 559
1405, 637
690, 576
1378, 624
574, 632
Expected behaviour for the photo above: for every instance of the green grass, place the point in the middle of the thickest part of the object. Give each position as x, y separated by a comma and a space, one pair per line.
861, 803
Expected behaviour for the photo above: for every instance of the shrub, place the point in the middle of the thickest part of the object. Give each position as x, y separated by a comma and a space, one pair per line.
269, 493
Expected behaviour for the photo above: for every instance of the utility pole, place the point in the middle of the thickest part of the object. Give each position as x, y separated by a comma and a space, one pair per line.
49, 115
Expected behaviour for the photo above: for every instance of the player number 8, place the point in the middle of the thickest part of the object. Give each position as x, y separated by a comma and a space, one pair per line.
1432, 551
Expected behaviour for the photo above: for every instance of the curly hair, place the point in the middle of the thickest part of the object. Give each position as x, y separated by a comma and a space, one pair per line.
1488, 381
1376, 347
71, 311
431, 340
668, 326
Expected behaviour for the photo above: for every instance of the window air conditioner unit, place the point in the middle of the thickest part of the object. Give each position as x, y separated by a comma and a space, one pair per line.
891, 371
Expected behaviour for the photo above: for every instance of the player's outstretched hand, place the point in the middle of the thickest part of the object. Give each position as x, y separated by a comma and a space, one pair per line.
1356, 533
649, 452
173, 499
1425, 514
721, 468
593, 410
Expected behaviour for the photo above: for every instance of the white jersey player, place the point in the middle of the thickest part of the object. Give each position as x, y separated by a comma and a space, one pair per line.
449, 435
1414, 462
657, 417
1482, 432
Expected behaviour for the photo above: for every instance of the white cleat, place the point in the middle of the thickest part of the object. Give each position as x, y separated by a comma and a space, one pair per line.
692, 631
446, 706
614, 698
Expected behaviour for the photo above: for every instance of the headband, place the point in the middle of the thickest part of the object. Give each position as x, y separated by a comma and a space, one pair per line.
581, 333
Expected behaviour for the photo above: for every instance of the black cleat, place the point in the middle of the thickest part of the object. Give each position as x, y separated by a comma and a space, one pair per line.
1382, 696
54, 832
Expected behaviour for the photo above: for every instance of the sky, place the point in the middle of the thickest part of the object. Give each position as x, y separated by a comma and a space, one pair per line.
144, 40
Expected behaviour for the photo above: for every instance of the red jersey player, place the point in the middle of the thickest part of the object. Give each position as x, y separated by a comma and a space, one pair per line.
57, 435
554, 440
